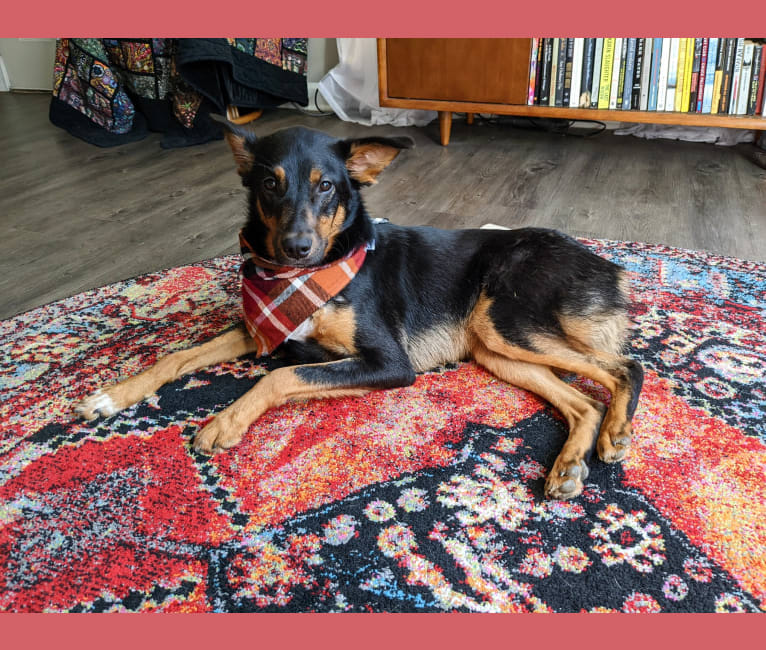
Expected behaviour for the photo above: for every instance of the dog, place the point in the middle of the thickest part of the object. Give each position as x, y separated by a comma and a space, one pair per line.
525, 304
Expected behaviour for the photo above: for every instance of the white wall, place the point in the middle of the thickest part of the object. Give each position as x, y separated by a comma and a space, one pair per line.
29, 62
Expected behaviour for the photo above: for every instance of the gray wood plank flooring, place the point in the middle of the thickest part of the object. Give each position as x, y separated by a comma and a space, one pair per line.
74, 216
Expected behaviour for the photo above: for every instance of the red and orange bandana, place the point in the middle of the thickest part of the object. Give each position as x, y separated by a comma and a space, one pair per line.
277, 300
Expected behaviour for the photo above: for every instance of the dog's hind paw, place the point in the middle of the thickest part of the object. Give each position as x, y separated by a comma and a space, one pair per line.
566, 479
99, 403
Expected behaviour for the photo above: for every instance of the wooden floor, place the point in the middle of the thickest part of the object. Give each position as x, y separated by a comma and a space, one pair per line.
74, 216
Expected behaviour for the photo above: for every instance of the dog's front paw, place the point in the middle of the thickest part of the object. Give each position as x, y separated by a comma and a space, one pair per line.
565, 480
218, 435
102, 402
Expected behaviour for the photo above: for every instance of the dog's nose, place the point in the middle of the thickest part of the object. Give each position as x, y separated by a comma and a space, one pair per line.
297, 246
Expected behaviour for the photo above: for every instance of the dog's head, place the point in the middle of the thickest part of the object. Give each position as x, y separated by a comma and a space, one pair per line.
304, 203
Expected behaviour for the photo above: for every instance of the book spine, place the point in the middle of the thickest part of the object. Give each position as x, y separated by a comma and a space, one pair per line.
743, 90
545, 74
752, 101
760, 103
670, 97
577, 61
698, 95
607, 60
569, 58
662, 91
707, 83
718, 75
736, 73
589, 52
638, 69
554, 71
646, 73
700, 44
532, 72
629, 65
621, 77
687, 75
598, 55
654, 79
680, 74
616, 65
561, 71
539, 72
728, 63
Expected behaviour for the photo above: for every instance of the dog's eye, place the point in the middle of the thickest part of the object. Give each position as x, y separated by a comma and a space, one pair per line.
325, 186
270, 184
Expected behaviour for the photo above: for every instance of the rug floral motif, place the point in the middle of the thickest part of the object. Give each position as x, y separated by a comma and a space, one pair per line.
425, 498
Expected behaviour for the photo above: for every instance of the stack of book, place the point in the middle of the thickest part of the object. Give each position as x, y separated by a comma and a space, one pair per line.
695, 75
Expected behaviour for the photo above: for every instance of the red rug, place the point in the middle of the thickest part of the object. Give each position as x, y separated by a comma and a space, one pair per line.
427, 498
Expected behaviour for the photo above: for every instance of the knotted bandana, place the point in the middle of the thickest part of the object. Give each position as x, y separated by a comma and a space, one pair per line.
277, 300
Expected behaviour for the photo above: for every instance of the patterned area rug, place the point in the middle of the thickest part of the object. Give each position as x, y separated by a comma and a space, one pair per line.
426, 498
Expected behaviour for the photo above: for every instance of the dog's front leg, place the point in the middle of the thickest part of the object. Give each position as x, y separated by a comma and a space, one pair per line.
112, 399
332, 379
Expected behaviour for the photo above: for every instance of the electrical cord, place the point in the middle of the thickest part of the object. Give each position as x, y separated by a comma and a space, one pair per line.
317, 113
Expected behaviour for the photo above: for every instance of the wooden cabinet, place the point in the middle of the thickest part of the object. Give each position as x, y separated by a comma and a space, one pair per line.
491, 75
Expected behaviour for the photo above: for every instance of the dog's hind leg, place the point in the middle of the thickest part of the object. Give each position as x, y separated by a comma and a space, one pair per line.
621, 376
583, 415
110, 400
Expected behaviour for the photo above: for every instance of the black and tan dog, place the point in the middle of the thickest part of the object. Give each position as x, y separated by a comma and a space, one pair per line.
521, 303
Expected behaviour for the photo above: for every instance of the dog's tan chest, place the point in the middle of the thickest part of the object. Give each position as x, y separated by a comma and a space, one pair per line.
333, 326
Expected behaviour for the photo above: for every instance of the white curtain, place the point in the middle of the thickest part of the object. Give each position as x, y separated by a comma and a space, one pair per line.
351, 88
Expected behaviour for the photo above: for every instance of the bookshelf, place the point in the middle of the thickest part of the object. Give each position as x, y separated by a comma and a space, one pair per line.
492, 76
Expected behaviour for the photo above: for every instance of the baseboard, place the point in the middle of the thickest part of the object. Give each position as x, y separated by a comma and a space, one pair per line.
5, 82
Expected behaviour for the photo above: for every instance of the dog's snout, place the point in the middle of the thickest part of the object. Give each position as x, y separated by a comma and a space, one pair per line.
297, 246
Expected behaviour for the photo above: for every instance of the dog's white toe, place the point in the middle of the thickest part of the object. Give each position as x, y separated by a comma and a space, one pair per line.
97, 404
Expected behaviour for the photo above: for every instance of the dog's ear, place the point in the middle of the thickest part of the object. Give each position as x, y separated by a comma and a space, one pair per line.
239, 139
367, 157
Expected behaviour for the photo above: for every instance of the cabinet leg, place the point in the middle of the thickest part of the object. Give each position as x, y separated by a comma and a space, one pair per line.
445, 126
469, 118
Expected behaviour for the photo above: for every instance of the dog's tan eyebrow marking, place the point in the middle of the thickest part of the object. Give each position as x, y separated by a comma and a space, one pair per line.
315, 176
279, 172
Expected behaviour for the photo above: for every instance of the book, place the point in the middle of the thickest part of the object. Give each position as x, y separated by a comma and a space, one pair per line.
696, 98
616, 64
662, 91
743, 89
728, 64
629, 66
554, 71
532, 72
638, 75
760, 102
598, 52
539, 72
545, 73
646, 73
577, 62
680, 74
654, 77
736, 72
670, 96
569, 58
589, 52
607, 61
700, 44
621, 76
707, 81
718, 75
687, 84
752, 101
561, 70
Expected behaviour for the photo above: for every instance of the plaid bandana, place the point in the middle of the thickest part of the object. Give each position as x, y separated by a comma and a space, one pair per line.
277, 300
